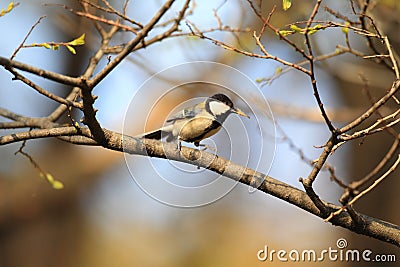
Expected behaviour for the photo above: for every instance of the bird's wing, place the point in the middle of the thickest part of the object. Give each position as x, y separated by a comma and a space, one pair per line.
187, 113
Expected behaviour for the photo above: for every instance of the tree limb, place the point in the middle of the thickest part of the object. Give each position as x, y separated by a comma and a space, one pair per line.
371, 226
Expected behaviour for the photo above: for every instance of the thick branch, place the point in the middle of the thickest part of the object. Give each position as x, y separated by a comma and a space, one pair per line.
370, 226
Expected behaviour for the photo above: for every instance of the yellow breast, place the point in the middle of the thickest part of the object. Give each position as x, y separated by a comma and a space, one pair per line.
198, 129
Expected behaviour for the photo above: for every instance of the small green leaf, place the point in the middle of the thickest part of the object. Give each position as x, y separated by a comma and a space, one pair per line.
259, 80
71, 49
286, 4
345, 30
55, 47
54, 183
312, 31
278, 71
296, 28
318, 27
285, 32
78, 41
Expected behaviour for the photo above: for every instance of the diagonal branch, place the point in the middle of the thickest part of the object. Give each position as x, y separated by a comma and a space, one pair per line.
129, 47
367, 190
395, 87
88, 100
44, 92
57, 77
370, 226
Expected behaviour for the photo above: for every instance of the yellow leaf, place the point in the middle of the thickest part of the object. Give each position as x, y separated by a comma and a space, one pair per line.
54, 183
10, 6
49, 178
71, 49
78, 41
346, 29
46, 45
57, 185
286, 4
55, 47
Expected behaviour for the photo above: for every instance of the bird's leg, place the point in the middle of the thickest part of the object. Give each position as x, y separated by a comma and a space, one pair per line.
179, 144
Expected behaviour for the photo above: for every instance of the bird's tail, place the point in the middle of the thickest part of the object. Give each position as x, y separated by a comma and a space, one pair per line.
153, 135
157, 134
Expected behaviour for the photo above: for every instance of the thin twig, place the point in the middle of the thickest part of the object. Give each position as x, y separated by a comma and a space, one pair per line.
29, 157
26, 37
312, 71
395, 87
373, 128
96, 18
131, 45
352, 188
392, 58
269, 56
363, 16
275, 30
44, 92
364, 192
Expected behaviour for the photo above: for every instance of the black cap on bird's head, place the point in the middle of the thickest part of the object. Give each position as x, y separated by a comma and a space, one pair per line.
224, 99
221, 111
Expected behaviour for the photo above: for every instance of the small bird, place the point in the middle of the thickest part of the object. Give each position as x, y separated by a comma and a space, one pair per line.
198, 122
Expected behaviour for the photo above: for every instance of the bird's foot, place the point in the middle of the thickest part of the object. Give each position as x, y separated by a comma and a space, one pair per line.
205, 147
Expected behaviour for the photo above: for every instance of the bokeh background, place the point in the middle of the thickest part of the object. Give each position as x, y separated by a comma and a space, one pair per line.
102, 217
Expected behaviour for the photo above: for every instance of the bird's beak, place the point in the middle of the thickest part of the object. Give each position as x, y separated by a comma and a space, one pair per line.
241, 113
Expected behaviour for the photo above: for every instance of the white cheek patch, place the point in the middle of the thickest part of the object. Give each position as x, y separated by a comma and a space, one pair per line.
218, 108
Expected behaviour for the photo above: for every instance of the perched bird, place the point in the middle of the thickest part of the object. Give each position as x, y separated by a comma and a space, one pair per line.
198, 122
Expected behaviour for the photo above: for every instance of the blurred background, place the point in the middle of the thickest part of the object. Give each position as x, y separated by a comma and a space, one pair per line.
103, 218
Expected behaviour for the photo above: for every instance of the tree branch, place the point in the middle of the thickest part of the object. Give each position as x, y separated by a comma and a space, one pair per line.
63, 79
372, 227
395, 87
131, 45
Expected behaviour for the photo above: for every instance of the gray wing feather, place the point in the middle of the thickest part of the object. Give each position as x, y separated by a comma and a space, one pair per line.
187, 113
